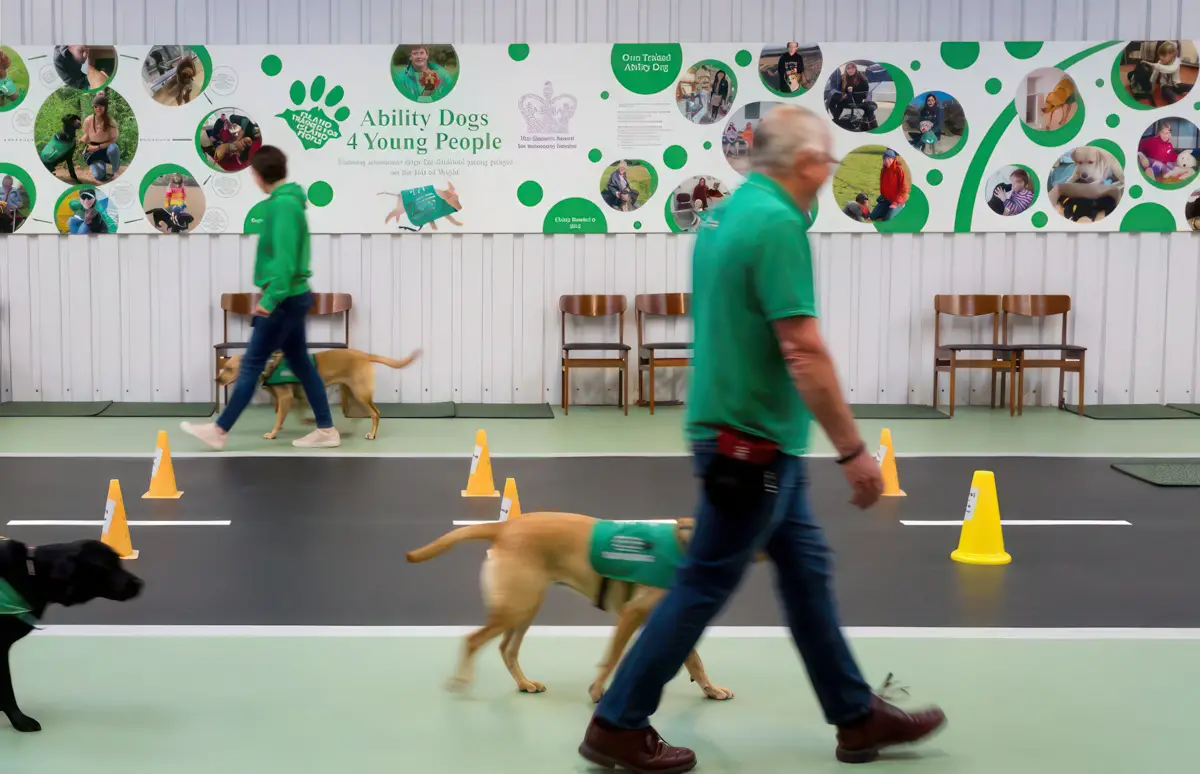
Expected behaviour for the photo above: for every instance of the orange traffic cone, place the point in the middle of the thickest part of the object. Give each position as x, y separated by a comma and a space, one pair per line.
510, 506
886, 457
480, 483
162, 476
116, 530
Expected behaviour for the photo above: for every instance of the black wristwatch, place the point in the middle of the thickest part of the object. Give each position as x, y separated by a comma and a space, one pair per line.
862, 448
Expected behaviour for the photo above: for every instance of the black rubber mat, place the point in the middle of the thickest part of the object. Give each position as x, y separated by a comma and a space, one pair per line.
405, 411
1191, 408
1132, 411
503, 411
123, 409
36, 408
1172, 473
896, 411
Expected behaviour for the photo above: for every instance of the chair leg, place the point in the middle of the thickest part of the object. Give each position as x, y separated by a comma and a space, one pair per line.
566, 388
935, 387
652, 384
625, 375
1011, 376
642, 385
1062, 387
1081, 385
992, 404
952, 380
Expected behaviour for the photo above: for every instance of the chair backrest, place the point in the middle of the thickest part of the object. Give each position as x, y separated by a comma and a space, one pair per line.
1038, 307
323, 304
659, 305
976, 305
589, 305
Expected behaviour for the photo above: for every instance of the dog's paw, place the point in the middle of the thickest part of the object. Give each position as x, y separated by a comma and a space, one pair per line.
457, 684
370, 436
717, 692
270, 436
529, 686
23, 722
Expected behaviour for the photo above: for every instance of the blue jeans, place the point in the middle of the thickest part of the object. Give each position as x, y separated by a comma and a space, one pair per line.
883, 210
283, 330
721, 549
112, 155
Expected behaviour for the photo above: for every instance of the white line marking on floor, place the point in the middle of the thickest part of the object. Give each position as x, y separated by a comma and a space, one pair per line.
605, 632
100, 523
1028, 523
982, 454
471, 523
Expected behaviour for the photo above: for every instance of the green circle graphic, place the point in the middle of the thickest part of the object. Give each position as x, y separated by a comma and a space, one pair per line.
707, 145
1039, 220
518, 52
595, 155
1135, 192
993, 86
934, 177
529, 193
1099, 83
1023, 49
646, 68
743, 58
575, 216
1112, 120
1149, 216
914, 65
205, 62
675, 157
320, 193
255, 218
272, 65
604, 95
26, 182
904, 95
637, 224
960, 55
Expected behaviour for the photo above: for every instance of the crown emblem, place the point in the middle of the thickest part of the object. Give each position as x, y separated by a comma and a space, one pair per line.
547, 113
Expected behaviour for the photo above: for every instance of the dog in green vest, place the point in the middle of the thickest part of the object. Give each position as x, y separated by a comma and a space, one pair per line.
624, 568
60, 148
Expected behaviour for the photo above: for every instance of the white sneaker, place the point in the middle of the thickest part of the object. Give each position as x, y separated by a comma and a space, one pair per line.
326, 438
209, 434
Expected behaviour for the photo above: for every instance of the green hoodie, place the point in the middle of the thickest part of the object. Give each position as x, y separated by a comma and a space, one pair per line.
281, 264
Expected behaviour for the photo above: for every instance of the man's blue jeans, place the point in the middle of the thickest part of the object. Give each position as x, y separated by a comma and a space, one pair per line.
283, 330
721, 549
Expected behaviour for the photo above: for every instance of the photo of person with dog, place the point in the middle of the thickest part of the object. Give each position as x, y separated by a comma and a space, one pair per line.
86, 138
738, 139
1046, 99
85, 210
228, 139
1167, 152
935, 123
1157, 73
1191, 210
705, 92
860, 95
693, 199
1086, 184
627, 185
423, 72
14, 79
172, 200
872, 183
16, 201
1010, 190
791, 69
173, 75
85, 68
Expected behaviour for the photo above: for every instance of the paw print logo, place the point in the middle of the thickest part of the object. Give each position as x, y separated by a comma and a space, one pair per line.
313, 126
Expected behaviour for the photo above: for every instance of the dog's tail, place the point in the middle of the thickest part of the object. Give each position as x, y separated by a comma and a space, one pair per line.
392, 363
443, 544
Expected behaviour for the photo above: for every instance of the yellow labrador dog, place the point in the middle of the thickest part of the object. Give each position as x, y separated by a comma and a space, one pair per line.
535, 550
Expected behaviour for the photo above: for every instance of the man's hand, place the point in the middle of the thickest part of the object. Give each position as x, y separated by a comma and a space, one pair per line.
865, 479
260, 312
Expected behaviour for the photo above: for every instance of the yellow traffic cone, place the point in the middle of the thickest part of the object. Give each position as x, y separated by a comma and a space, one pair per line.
480, 483
510, 506
886, 457
162, 476
116, 529
982, 540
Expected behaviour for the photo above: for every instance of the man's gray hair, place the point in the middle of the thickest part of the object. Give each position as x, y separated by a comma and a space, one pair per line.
784, 132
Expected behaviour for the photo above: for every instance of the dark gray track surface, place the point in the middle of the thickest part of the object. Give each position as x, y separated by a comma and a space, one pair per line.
321, 541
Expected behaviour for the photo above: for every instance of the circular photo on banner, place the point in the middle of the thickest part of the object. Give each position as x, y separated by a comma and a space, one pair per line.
872, 183
693, 199
83, 210
14, 79
86, 138
227, 139
424, 72
935, 124
1158, 73
790, 69
17, 197
860, 95
176, 75
1046, 99
1191, 210
627, 185
738, 137
1167, 153
1085, 184
705, 93
172, 199
85, 68
1011, 190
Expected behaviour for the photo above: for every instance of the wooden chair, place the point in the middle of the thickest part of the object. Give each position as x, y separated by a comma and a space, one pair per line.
659, 305
595, 306
1071, 356
243, 304
946, 356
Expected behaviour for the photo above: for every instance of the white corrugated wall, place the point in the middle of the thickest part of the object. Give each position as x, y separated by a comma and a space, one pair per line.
134, 317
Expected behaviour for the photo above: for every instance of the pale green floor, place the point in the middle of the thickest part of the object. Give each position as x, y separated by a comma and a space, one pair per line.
608, 431
245, 706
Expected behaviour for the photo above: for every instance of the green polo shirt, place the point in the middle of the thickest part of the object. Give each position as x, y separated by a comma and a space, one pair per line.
751, 266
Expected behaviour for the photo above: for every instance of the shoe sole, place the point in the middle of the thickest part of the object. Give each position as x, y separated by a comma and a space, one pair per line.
606, 762
205, 441
871, 754
318, 445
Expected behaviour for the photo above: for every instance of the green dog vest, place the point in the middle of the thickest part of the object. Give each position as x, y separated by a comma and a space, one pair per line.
423, 205
56, 149
12, 603
283, 373
635, 552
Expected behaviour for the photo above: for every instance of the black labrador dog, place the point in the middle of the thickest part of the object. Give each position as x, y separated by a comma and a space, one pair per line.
32, 577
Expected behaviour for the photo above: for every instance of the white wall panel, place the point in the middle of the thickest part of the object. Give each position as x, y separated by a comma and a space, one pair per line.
134, 317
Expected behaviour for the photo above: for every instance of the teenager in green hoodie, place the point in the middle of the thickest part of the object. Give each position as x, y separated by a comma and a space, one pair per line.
281, 269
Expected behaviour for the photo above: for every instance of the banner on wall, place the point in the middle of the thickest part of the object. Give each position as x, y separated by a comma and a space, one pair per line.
590, 138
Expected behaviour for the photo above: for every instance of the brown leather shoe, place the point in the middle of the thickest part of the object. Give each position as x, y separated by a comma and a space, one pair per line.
641, 751
886, 726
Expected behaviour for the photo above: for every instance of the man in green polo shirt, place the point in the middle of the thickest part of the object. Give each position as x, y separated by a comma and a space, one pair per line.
762, 373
